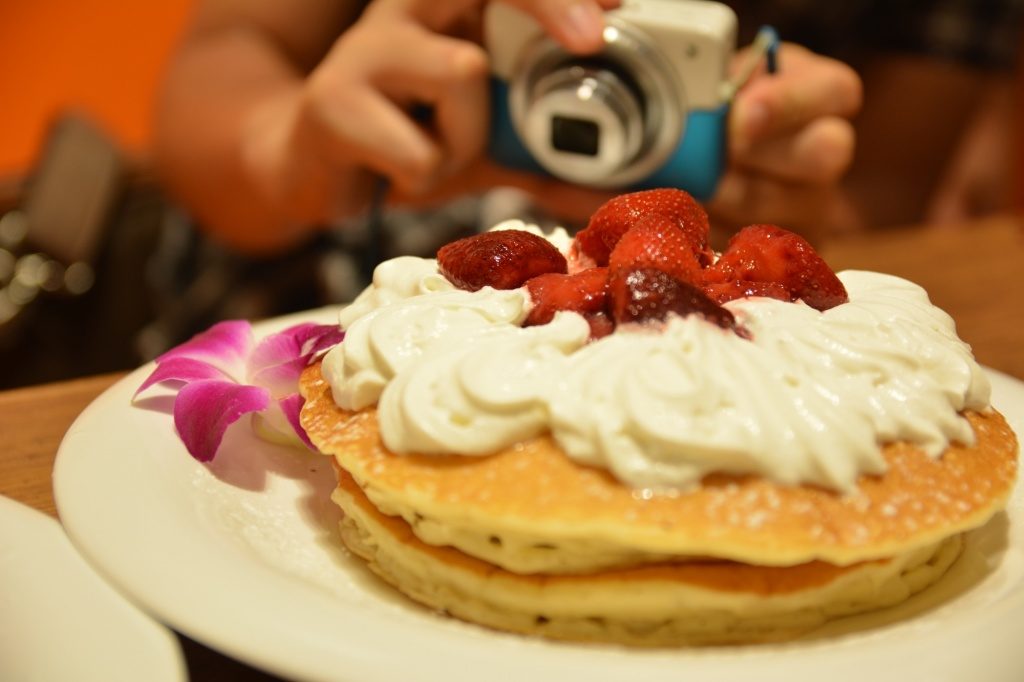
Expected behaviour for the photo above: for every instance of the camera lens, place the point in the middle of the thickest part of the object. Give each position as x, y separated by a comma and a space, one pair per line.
584, 121
606, 120
575, 135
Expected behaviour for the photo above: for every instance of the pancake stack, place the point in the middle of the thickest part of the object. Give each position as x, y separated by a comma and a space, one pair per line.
528, 541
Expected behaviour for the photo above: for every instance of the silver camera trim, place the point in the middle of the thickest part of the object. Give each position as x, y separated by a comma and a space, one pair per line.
544, 62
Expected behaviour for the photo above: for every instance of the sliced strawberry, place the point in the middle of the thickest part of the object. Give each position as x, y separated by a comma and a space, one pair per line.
601, 324
656, 242
770, 254
644, 294
619, 215
584, 292
504, 259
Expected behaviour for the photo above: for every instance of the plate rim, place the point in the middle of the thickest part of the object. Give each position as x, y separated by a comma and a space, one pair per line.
325, 655
42, 547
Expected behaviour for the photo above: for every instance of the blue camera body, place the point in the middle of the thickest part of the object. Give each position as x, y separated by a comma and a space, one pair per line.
696, 165
648, 110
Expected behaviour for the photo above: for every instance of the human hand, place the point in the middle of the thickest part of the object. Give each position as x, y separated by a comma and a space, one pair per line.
352, 121
790, 141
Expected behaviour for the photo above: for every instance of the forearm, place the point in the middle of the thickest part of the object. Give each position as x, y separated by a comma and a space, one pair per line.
216, 96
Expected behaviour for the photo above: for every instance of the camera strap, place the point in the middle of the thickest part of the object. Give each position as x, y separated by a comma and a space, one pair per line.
764, 48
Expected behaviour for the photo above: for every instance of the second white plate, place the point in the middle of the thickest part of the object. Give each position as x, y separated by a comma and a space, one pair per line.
61, 621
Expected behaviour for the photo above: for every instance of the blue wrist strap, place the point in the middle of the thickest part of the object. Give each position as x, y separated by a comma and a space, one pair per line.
770, 37
766, 47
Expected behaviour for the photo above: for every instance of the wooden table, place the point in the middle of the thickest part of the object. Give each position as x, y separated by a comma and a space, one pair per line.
976, 273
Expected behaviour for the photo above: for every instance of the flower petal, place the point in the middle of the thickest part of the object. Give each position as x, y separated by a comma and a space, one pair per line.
205, 409
279, 423
181, 370
291, 406
279, 359
226, 345
322, 337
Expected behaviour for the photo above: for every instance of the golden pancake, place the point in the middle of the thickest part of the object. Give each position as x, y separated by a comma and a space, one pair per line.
678, 603
530, 509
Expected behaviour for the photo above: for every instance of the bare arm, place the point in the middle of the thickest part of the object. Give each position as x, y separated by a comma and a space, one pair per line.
230, 88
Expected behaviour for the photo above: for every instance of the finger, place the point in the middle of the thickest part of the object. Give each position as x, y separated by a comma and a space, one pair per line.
355, 123
365, 128
807, 86
365, 89
819, 153
462, 116
447, 74
576, 24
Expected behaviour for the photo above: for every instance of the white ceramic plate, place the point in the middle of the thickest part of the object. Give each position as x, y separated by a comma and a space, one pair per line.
242, 556
61, 621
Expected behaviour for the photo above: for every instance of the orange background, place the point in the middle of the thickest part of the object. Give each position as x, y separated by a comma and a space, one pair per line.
100, 57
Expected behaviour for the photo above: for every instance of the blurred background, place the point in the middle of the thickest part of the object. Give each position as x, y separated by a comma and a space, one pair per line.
100, 271
76, 93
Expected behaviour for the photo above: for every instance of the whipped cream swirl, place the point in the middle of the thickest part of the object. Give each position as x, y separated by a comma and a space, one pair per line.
809, 399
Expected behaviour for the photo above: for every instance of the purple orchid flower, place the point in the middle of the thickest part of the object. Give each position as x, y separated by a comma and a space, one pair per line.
223, 373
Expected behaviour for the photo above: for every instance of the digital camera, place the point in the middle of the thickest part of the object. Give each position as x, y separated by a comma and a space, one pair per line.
648, 110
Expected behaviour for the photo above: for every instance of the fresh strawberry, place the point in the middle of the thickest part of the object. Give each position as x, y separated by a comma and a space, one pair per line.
504, 259
584, 292
656, 242
619, 215
770, 254
645, 294
721, 292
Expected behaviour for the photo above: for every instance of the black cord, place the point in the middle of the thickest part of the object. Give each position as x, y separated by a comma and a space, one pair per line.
373, 254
